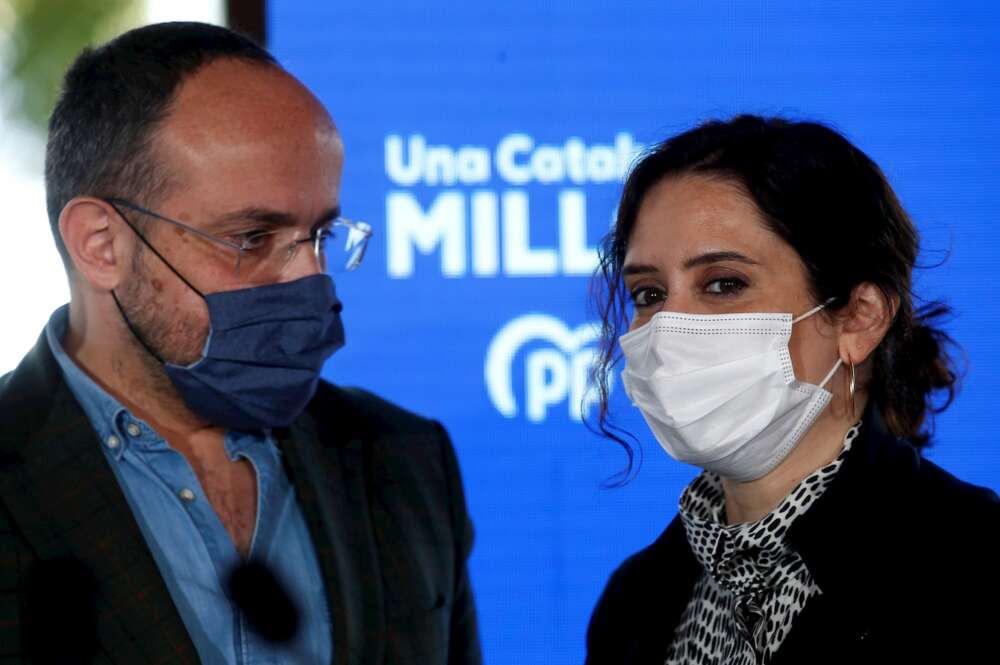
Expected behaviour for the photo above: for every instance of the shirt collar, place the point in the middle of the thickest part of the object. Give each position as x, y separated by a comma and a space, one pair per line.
117, 428
106, 414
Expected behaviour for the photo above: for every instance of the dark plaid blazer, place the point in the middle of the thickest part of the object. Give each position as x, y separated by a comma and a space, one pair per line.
379, 487
905, 553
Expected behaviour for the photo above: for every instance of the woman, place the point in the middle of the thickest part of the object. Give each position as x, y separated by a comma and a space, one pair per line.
774, 343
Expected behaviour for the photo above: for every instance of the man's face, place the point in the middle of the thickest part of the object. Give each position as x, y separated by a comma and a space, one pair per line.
247, 149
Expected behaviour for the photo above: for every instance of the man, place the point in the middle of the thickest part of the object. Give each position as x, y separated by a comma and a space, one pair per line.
176, 484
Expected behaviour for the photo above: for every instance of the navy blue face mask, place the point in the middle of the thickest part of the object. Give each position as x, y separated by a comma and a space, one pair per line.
266, 345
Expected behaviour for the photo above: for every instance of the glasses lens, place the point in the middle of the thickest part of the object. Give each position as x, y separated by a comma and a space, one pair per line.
343, 246
337, 249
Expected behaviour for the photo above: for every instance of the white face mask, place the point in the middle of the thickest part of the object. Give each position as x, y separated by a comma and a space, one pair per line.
719, 391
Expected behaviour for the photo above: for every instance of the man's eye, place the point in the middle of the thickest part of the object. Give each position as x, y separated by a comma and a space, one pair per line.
647, 296
725, 286
323, 236
254, 239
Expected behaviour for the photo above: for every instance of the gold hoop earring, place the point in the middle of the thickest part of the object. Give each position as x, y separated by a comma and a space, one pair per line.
854, 408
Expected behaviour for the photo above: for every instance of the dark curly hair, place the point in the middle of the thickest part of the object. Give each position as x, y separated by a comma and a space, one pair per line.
833, 205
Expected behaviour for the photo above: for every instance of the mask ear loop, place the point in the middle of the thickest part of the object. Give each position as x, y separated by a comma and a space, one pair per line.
829, 375
853, 378
813, 310
114, 295
135, 332
153, 249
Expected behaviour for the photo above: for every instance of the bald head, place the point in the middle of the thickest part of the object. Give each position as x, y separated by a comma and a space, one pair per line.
236, 128
229, 96
246, 137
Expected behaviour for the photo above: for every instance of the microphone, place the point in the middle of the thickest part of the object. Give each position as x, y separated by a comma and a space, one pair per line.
264, 601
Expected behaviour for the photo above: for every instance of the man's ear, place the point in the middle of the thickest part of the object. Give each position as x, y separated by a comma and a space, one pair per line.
865, 322
95, 242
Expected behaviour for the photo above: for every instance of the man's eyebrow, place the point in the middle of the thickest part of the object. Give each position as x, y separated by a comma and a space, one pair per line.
717, 257
328, 216
274, 217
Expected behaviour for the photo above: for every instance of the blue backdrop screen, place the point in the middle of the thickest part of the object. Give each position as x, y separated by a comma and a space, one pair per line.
486, 143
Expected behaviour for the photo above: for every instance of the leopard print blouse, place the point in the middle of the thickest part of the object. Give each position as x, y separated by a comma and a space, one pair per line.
753, 584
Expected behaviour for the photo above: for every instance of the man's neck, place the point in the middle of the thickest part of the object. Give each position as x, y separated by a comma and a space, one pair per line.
116, 361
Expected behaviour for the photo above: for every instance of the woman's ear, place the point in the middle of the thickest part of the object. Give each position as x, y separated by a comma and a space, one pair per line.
864, 322
94, 242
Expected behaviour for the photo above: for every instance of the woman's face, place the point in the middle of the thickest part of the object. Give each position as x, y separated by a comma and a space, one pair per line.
700, 246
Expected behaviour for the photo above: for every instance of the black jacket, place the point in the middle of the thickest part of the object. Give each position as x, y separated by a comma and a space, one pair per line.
906, 556
379, 488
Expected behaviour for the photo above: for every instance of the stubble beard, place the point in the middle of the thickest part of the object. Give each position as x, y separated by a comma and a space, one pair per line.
176, 336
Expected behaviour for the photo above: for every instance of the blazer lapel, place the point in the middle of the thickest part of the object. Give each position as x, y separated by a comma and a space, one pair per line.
66, 501
328, 469
845, 536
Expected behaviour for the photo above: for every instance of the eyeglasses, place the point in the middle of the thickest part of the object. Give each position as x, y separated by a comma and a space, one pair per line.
263, 255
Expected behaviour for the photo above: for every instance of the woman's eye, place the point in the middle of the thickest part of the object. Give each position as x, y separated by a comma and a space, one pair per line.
647, 296
725, 286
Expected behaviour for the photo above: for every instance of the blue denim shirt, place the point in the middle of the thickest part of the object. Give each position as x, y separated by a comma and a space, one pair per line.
192, 549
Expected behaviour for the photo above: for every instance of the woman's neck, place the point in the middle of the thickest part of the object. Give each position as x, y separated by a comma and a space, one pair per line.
751, 501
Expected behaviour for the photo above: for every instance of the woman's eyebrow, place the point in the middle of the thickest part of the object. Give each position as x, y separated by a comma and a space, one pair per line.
694, 261
638, 269
717, 257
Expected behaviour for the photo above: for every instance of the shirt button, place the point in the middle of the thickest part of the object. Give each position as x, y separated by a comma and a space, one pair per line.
133, 429
186, 495
112, 442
